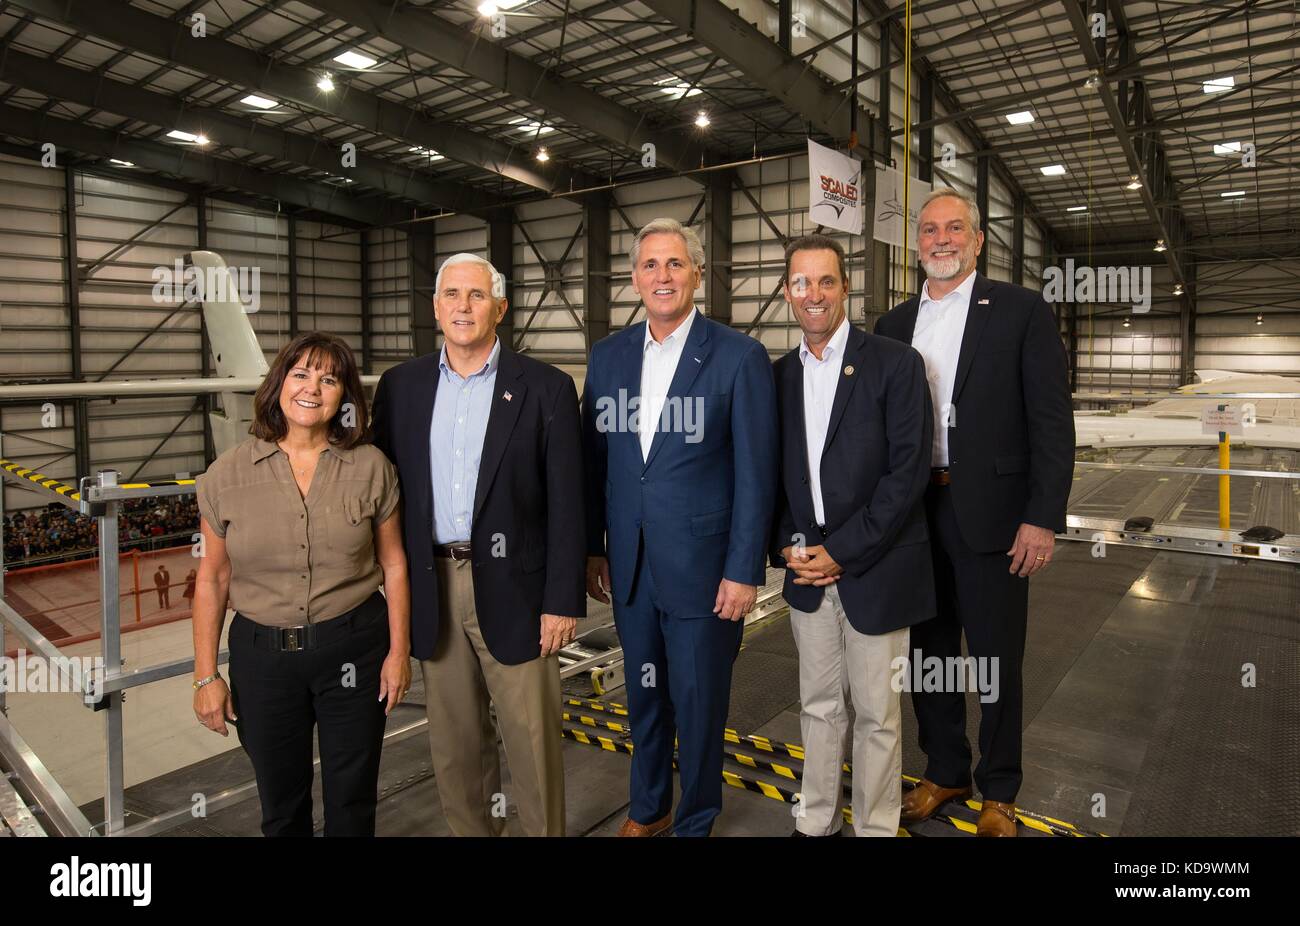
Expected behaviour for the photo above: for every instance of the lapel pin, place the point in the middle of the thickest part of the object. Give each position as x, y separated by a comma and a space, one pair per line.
983, 302
848, 370
698, 360
507, 396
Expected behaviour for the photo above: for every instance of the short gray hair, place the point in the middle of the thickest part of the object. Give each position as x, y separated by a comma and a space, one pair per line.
665, 226
498, 281
972, 210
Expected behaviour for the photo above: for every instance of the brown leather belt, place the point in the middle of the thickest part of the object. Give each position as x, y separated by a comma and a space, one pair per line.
456, 551
939, 476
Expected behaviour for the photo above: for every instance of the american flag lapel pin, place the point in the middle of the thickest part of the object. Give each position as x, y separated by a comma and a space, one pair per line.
507, 396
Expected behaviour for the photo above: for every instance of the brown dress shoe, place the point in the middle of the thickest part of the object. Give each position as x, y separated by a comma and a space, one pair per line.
631, 828
997, 819
922, 801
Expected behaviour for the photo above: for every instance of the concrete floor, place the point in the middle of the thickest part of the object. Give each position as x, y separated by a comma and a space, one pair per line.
1120, 650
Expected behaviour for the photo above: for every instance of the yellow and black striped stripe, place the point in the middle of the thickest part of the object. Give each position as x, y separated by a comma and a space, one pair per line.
602, 742
40, 479
606, 706
160, 484
593, 722
1039, 822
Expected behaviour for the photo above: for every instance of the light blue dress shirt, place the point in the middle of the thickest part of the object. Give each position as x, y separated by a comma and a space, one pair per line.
460, 417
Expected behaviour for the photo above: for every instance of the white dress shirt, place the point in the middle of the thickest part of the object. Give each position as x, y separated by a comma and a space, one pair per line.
658, 364
820, 380
940, 324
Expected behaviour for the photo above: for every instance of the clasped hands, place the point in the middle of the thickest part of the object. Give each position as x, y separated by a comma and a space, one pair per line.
811, 565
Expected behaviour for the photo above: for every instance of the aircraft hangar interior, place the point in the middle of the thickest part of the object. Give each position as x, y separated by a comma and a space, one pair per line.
1075, 484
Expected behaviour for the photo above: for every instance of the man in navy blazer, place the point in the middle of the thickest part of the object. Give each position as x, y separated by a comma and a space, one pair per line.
851, 533
1002, 465
488, 445
679, 424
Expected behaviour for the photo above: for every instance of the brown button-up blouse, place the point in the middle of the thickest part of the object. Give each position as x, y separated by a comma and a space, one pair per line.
294, 560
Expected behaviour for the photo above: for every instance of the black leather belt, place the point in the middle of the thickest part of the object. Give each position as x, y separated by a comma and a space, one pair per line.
456, 551
310, 636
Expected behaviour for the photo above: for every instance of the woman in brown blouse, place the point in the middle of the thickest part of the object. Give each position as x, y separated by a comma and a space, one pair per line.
300, 528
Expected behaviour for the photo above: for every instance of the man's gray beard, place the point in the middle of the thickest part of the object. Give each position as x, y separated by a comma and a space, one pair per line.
942, 269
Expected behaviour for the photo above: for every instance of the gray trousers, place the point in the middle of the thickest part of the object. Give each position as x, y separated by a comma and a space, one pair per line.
836, 663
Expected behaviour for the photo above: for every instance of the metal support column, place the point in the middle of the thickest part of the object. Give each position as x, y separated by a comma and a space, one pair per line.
501, 253
596, 265
982, 203
367, 360
1018, 241
420, 241
205, 345
884, 97
72, 270
1187, 331
293, 275
717, 213
785, 30
110, 635
925, 165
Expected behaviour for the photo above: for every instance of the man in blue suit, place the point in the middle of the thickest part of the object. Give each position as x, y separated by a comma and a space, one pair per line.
680, 428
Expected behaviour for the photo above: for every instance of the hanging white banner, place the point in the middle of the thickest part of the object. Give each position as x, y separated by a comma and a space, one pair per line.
888, 214
834, 189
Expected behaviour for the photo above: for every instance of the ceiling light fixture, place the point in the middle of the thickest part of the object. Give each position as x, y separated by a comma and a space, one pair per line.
355, 59
326, 83
1053, 170
702, 120
1024, 117
1134, 183
542, 155
260, 102
1160, 245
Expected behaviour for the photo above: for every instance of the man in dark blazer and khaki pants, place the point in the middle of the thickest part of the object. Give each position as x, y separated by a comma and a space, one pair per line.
488, 447
1003, 461
851, 533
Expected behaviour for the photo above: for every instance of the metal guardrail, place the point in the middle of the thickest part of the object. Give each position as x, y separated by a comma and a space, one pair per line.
1210, 541
1190, 470
1159, 396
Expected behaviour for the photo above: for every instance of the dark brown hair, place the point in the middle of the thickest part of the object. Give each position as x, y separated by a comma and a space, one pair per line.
318, 350
817, 243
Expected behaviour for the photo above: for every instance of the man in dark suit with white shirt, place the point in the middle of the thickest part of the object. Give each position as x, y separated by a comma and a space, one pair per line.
1003, 460
851, 533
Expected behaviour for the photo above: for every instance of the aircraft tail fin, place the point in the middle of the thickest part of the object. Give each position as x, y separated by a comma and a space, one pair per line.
234, 343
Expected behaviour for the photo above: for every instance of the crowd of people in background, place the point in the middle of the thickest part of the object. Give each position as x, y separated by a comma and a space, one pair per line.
56, 533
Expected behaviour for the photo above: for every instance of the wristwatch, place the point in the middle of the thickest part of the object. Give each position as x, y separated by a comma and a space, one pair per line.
207, 681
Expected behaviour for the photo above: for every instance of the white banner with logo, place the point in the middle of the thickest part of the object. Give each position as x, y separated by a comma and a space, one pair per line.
834, 189
888, 215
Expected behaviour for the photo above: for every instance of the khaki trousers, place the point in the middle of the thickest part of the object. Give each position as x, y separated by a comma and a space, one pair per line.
460, 682
835, 663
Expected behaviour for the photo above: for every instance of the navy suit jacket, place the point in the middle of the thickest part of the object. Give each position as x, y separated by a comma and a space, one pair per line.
527, 530
701, 504
875, 466
1011, 437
